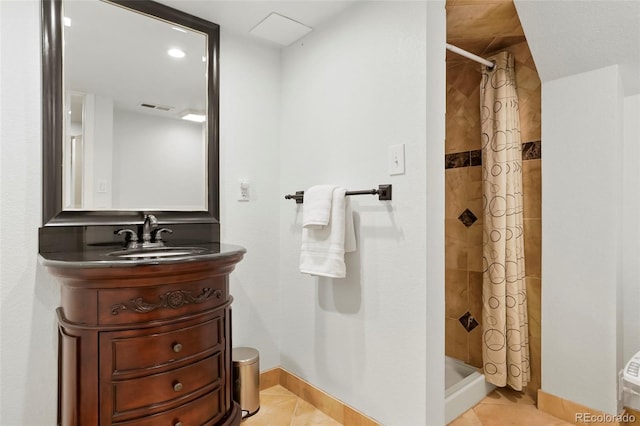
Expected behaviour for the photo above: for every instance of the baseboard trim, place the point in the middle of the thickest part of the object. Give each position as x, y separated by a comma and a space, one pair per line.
573, 412
270, 378
334, 408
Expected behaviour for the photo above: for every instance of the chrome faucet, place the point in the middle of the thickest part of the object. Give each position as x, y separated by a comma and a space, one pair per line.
150, 221
147, 236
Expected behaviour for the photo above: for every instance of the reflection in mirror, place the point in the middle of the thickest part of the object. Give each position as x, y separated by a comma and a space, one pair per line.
73, 153
130, 81
106, 157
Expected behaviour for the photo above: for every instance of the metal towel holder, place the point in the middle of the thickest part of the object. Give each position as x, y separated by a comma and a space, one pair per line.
383, 192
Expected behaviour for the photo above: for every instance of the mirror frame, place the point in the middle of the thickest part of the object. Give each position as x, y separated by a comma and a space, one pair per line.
53, 213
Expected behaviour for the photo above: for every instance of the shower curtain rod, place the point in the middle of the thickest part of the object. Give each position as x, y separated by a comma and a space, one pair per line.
469, 55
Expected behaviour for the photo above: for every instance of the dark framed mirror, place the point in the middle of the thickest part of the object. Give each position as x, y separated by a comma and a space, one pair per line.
115, 140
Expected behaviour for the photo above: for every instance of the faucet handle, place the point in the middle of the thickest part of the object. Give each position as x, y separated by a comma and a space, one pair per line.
130, 235
157, 234
130, 239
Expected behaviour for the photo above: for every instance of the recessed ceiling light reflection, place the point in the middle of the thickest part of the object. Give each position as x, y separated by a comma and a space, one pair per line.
192, 115
176, 53
67, 21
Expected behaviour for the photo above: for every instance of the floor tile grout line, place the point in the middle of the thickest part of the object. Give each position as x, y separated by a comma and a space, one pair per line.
295, 409
477, 416
298, 402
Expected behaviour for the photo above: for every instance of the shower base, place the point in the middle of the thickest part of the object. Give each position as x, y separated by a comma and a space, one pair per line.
464, 387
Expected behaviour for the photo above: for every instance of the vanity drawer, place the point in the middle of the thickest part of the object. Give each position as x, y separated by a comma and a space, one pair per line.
206, 410
164, 387
152, 350
139, 304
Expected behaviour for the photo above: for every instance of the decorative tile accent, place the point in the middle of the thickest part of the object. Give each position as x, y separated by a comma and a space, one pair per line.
532, 150
468, 321
458, 159
475, 157
467, 218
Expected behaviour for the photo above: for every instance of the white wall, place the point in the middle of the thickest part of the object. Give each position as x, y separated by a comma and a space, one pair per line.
436, 101
249, 132
631, 234
349, 90
28, 297
100, 143
581, 257
363, 339
97, 152
149, 152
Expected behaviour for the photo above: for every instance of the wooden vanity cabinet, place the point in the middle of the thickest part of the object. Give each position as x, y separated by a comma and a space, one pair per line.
146, 345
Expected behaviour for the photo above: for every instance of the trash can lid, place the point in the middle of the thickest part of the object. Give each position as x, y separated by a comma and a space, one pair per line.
244, 355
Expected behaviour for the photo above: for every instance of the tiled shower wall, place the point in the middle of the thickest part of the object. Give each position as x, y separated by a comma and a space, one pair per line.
463, 211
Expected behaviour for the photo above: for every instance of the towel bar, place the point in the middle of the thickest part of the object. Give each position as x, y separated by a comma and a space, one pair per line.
383, 192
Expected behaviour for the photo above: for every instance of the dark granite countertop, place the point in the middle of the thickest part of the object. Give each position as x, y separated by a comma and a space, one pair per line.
98, 256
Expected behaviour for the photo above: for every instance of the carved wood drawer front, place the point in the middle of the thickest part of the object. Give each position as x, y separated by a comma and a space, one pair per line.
204, 410
153, 350
165, 387
132, 305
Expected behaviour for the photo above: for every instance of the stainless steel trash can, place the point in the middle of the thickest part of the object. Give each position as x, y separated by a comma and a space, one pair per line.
246, 379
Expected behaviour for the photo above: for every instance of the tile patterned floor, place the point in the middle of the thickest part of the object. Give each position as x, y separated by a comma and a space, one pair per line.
279, 407
503, 407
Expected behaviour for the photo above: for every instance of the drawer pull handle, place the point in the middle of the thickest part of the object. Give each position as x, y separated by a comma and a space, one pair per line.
177, 347
178, 423
177, 386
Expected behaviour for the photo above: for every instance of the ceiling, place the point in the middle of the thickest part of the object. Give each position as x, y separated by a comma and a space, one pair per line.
112, 52
571, 37
481, 27
239, 17
116, 54
565, 37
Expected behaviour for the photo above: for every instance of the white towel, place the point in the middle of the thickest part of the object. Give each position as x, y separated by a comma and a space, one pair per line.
317, 206
323, 248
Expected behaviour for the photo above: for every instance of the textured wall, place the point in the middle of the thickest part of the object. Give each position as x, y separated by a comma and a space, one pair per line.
463, 180
631, 240
582, 208
249, 131
349, 90
28, 296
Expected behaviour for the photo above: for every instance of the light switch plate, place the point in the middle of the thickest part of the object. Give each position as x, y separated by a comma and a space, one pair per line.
244, 191
396, 159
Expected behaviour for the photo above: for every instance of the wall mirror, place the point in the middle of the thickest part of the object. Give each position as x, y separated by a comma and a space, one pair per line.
130, 113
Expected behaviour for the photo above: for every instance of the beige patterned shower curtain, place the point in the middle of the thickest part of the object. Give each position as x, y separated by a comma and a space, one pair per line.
505, 349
